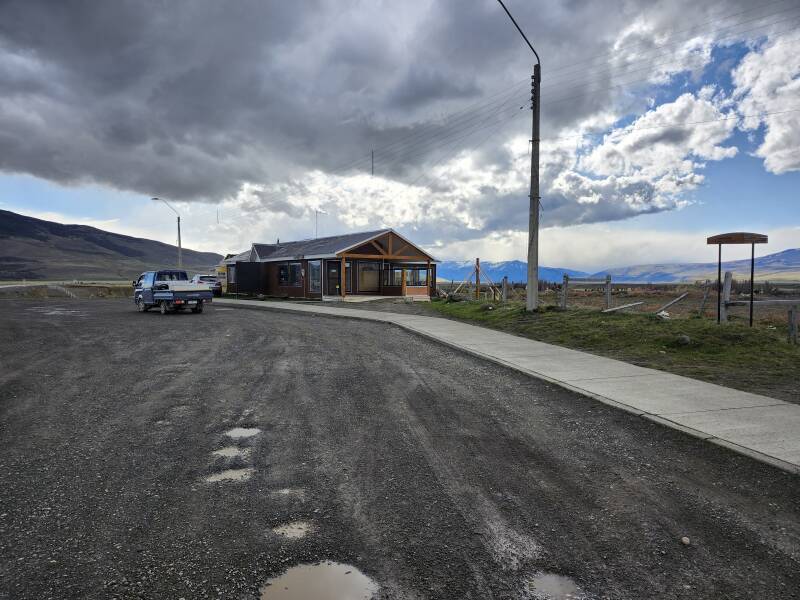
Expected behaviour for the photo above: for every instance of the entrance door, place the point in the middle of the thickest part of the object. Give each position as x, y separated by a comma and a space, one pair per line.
333, 279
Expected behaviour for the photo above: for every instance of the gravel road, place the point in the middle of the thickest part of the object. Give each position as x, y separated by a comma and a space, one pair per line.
432, 473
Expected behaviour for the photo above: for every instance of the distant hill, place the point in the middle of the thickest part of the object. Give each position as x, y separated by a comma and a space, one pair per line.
515, 270
37, 249
779, 266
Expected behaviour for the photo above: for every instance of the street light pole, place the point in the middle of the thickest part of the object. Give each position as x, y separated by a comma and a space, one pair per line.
180, 250
535, 198
316, 216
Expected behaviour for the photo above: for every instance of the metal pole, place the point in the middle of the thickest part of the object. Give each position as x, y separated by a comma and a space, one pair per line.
477, 279
532, 302
752, 274
180, 250
719, 282
533, 222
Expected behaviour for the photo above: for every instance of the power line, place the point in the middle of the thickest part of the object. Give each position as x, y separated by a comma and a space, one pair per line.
562, 99
676, 125
693, 28
610, 69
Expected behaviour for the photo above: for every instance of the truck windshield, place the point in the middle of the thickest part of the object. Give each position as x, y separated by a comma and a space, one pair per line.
172, 276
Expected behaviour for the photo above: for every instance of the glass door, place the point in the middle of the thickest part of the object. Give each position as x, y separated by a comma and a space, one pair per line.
315, 277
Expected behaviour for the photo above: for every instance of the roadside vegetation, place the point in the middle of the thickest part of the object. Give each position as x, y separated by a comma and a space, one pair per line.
758, 360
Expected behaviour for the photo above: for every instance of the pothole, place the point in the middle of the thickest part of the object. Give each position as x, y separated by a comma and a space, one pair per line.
294, 530
231, 475
550, 586
320, 581
242, 432
298, 493
232, 452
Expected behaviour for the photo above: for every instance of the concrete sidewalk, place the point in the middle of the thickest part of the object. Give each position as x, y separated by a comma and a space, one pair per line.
764, 428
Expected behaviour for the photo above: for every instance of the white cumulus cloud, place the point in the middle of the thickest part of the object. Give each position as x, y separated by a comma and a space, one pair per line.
768, 81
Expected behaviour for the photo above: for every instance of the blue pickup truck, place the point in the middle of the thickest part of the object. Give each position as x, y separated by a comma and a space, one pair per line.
169, 291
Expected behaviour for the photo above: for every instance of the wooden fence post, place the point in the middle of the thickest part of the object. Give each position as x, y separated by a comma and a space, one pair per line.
505, 288
705, 297
608, 291
564, 288
793, 325
726, 297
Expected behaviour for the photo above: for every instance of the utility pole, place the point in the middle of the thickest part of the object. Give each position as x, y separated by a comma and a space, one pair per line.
180, 250
535, 197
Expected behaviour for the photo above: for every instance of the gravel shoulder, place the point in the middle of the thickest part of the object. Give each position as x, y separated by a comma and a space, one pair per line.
436, 474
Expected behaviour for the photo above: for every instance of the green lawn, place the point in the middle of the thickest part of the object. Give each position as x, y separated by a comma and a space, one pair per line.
758, 360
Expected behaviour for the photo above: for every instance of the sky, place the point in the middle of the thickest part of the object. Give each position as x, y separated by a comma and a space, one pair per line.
662, 123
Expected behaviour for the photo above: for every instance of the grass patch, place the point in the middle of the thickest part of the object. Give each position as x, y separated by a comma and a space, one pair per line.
758, 360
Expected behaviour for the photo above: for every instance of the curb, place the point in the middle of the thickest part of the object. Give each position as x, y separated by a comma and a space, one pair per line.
748, 452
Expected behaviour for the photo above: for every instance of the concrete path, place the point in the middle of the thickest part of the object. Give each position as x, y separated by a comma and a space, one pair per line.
764, 428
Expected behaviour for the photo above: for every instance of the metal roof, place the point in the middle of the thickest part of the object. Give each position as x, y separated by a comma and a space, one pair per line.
319, 247
241, 257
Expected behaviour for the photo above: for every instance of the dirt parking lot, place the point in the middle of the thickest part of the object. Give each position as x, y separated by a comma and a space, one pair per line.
202, 456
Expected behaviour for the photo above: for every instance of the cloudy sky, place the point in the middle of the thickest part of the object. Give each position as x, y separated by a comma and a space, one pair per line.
662, 123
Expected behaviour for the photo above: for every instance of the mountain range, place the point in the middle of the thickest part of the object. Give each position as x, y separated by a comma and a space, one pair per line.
781, 266
36, 249
515, 270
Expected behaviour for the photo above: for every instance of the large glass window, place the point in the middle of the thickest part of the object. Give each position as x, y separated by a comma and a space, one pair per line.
315, 276
290, 274
415, 275
368, 275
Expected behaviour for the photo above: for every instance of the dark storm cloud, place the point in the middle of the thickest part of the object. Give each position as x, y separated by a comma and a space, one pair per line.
191, 99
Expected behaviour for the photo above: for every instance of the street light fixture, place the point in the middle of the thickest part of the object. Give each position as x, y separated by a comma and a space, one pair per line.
533, 218
180, 251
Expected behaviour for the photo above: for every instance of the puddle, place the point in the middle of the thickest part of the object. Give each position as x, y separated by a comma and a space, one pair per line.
296, 492
231, 475
321, 581
549, 586
232, 452
294, 530
242, 432
56, 311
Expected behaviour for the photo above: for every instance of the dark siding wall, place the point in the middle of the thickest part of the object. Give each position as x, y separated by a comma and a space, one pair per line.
285, 291
250, 278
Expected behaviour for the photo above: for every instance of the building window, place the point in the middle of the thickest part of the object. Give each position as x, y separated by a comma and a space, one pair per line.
290, 274
415, 276
315, 276
368, 276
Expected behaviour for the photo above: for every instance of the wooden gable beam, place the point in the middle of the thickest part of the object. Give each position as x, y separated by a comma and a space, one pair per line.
378, 247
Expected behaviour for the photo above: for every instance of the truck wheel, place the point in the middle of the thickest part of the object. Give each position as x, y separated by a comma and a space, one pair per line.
140, 304
198, 309
163, 307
